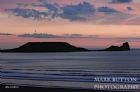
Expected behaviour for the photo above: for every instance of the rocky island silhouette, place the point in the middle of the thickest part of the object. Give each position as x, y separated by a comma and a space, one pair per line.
33, 47
46, 47
124, 47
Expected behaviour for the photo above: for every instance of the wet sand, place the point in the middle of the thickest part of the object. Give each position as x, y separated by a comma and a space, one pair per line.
6, 86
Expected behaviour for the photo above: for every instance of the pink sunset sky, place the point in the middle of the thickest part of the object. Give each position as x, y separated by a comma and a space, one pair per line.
85, 23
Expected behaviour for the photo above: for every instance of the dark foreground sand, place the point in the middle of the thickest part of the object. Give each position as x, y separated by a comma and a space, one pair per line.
3, 86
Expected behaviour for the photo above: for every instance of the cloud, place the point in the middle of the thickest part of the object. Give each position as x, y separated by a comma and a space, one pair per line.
38, 35
53, 9
22, 4
107, 10
123, 39
79, 36
45, 36
29, 13
130, 39
35, 35
129, 8
5, 34
121, 1
71, 12
80, 11
76, 12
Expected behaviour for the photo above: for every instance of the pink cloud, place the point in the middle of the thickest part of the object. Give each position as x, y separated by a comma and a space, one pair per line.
6, 4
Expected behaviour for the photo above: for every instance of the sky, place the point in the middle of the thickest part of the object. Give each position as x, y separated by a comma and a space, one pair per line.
84, 23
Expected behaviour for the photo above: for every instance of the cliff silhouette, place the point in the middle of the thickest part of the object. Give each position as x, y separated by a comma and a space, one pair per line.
124, 47
46, 47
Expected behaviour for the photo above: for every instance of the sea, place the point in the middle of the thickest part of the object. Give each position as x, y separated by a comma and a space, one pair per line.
69, 69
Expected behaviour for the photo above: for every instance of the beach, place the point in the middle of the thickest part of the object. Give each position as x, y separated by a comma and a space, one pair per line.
71, 71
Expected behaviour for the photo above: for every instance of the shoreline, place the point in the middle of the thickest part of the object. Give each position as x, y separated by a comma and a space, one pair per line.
51, 86
54, 89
